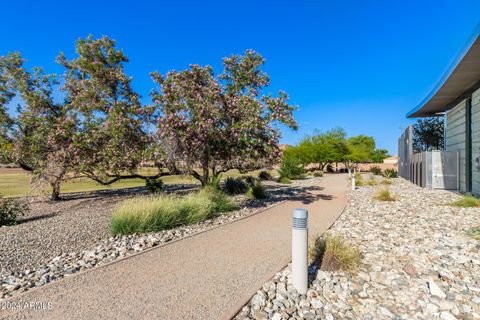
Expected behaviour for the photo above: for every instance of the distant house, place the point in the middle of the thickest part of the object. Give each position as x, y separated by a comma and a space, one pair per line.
457, 96
391, 160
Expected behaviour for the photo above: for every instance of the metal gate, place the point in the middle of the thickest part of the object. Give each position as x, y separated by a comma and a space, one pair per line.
428, 169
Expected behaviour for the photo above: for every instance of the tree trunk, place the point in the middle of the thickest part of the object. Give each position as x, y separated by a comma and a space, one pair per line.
55, 190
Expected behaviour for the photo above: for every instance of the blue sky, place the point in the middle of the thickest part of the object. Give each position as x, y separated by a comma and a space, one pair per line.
361, 65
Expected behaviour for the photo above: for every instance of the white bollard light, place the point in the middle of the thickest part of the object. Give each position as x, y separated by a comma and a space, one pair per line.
299, 250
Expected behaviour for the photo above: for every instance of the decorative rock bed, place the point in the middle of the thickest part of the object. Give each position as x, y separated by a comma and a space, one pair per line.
109, 249
417, 263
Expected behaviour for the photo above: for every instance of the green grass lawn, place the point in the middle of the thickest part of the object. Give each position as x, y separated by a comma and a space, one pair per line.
16, 182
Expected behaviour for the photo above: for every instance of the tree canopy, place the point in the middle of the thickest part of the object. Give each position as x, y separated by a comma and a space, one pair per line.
218, 123
428, 134
100, 129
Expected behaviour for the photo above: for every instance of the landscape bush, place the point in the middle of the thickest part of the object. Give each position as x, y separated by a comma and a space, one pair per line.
284, 180
390, 173
10, 210
467, 201
332, 253
154, 185
386, 182
235, 185
159, 212
318, 173
257, 191
384, 195
376, 170
265, 175
250, 180
291, 168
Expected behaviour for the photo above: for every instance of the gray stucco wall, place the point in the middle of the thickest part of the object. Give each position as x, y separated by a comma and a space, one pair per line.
455, 138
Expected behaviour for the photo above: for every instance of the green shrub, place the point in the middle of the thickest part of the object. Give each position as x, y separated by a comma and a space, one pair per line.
284, 180
384, 195
376, 170
257, 191
214, 182
333, 253
155, 213
318, 173
292, 168
390, 173
265, 175
467, 201
234, 185
154, 185
250, 180
10, 210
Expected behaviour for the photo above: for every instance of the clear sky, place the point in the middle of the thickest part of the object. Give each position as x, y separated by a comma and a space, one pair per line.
361, 65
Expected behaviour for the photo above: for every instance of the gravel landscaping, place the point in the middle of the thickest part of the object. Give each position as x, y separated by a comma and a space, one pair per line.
62, 238
418, 262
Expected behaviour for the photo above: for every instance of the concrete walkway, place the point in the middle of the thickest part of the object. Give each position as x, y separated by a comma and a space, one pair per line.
206, 276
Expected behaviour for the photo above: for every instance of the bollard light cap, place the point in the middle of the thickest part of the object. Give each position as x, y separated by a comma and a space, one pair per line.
300, 213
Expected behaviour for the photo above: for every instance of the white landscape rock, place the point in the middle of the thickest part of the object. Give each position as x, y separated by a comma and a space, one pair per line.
417, 262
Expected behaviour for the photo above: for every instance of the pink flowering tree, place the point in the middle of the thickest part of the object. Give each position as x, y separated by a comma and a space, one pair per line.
40, 136
211, 124
112, 139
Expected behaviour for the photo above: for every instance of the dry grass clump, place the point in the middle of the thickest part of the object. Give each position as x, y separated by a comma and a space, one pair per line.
333, 253
467, 201
474, 233
386, 181
372, 182
384, 195
359, 182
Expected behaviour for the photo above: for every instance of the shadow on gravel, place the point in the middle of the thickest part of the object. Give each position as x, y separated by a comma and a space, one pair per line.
35, 218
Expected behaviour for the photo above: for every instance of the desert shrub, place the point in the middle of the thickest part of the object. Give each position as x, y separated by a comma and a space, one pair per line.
333, 253
235, 185
265, 175
384, 195
292, 169
386, 181
154, 185
318, 173
390, 173
329, 168
376, 170
284, 180
467, 201
257, 191
10, 210
154, 213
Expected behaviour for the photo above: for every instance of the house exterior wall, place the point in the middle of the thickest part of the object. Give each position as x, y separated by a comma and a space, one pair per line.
475, 141
456, 138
